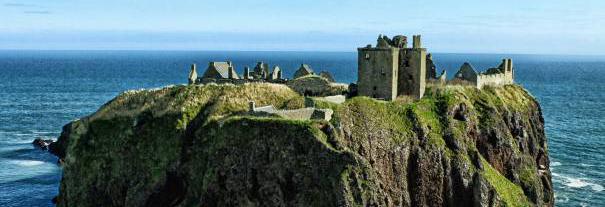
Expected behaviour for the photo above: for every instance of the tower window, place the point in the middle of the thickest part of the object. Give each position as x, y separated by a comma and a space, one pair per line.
367, 56
375, 88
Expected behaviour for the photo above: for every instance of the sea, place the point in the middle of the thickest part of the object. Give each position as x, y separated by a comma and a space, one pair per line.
40, 91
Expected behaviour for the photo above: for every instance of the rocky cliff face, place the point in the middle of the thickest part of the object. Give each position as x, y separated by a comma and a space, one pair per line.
195, 146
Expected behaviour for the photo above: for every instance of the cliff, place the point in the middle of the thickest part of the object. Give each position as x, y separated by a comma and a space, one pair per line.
196, 146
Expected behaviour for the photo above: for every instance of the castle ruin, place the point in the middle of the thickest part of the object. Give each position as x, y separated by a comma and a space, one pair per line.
501, 75
224, 72
392, 69
385, 71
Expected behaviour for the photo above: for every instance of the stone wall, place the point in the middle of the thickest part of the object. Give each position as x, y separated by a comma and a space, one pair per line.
308, 113
493, 80
412, 72
378, 72
501, 75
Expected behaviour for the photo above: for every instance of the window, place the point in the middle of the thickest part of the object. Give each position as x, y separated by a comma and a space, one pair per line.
375, 88
367, 56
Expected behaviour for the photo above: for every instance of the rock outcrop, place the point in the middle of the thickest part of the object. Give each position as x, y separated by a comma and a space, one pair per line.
40, 143
195, 146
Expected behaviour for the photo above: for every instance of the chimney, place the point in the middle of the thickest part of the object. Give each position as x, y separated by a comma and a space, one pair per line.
246, 72
505, 64
230, 71
193, 74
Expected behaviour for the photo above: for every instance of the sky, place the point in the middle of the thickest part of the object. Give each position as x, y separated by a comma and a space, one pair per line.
512, 26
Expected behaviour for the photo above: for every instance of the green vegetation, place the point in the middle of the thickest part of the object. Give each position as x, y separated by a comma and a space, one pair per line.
510, 193
124, 152
369, 115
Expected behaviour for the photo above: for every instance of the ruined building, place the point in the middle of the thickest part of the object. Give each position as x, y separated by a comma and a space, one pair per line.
501, 75
393, 69
225, 72
303, 70
220, 70
386, 71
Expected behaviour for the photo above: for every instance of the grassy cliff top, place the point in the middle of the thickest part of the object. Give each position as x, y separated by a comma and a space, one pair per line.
211, 100
457, 145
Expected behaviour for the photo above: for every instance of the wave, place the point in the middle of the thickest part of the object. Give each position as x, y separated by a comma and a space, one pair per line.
574, 182
555, 164
27, 163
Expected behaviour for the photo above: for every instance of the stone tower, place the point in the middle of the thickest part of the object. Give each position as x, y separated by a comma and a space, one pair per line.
412, 70
509, 72
193, 74
378, 70
391, 69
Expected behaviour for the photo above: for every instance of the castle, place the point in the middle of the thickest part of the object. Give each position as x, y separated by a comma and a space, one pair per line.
392, 69
386, 71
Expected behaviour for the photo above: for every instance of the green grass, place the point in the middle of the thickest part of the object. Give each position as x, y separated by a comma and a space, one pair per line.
510, 193
368, 114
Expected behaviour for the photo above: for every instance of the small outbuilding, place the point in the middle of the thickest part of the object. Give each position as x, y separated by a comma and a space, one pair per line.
220, 70
303, 70
467, 73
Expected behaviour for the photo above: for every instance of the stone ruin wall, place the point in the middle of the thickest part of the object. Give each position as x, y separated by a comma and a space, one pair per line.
378, 72
491, 80
412, 73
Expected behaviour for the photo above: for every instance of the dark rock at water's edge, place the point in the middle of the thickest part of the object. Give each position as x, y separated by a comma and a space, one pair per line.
196, 146
42, 144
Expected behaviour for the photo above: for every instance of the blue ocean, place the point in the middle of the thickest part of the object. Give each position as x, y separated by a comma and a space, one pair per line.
40, 91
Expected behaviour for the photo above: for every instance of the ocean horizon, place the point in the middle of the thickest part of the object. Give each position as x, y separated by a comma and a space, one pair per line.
42, 90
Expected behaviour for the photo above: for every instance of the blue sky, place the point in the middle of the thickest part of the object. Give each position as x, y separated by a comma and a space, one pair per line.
513, 26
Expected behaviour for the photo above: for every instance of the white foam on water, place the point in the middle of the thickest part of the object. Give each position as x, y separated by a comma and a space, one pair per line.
555, 164
597, 187
27, 163
573, 182
13, 170
22, 141
23, 134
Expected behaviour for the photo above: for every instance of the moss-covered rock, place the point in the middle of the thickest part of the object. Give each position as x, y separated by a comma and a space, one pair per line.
196, 146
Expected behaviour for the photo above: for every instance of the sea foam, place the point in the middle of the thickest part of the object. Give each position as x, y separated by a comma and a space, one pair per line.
579, 183
27, 163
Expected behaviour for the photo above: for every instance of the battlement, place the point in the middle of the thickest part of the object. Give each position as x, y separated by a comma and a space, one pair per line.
383, 42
